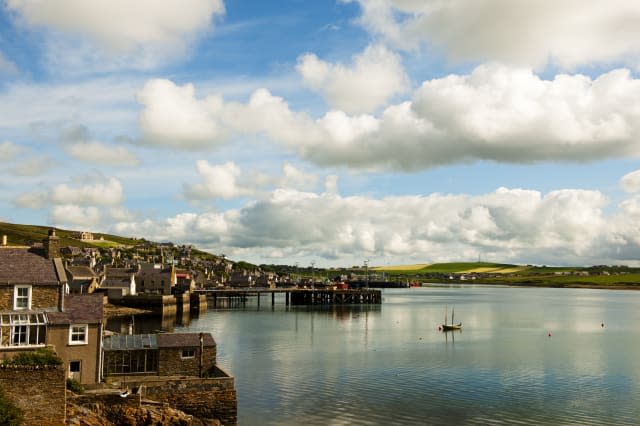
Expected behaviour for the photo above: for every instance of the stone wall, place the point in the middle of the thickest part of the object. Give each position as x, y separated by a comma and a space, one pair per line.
211, 398
42, 296
158, 304
40, 392
105, 409
171, 362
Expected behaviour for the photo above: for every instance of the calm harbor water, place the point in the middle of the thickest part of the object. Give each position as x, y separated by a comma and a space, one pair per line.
389, 365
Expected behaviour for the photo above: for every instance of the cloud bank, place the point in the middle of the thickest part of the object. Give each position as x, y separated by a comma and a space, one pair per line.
514, 225
497, 113
567, 33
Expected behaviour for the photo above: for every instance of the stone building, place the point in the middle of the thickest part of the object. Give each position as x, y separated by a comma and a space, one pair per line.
164, 354
82, 279
155, 279
76, 335
84, 236
36, 311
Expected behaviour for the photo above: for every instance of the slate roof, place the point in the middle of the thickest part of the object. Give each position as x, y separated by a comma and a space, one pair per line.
181, 340
116, 283
26, 266
79, 308
80, 272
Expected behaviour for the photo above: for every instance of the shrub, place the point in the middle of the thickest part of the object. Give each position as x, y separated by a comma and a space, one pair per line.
10, 414
41, 356
75, 386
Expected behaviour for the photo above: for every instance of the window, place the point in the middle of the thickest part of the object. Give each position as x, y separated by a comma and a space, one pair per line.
22, 329
188, 353
19, 335
22, 297
78, 334
74, 367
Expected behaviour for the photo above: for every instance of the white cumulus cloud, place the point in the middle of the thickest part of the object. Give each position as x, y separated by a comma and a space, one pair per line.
218, 181
75, 216
173, 116
121, 28
508, 224
375, 76
227, 181
496, 112
106, 193
631, 181
564, 32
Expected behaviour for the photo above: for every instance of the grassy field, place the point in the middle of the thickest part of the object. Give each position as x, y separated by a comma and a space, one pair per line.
406, 268
509, 274
27, 234
452, 268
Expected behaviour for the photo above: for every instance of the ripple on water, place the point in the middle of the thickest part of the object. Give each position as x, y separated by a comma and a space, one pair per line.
392, 367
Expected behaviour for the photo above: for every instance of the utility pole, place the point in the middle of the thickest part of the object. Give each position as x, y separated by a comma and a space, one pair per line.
313, 277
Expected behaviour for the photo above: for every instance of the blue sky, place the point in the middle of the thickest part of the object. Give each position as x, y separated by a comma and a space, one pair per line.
399, 131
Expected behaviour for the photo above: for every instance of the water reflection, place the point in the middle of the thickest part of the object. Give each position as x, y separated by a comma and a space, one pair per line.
390, 365
149, 323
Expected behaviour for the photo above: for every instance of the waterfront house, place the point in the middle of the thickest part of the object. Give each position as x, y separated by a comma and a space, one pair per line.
165, 354
240, 279
185, 281
33, 312
266, 279
155, 279
76, 334
32, 282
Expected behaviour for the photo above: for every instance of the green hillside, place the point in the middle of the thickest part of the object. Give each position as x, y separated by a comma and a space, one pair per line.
28, 234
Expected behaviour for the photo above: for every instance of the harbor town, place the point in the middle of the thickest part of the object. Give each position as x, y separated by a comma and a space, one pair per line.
68, 299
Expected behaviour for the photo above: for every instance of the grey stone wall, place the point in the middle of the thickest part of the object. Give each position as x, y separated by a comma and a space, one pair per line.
170, 361
212, 398
40, 392
42, 296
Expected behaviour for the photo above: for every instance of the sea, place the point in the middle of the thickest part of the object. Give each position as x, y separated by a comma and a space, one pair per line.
524, 356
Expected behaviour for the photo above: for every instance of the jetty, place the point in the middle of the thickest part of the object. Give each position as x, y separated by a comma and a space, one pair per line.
292, 296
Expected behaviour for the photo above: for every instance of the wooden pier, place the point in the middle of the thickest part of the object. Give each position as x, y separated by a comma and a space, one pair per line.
293, 296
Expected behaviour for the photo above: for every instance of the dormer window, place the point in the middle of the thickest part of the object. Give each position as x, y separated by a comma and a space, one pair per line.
22, 297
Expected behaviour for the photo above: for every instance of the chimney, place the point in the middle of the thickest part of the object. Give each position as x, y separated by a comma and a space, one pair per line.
51, 245
4, 240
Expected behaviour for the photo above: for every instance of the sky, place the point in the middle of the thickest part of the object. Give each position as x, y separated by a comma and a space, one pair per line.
330, 132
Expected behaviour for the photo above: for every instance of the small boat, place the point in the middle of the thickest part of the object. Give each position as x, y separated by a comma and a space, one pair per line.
452, 326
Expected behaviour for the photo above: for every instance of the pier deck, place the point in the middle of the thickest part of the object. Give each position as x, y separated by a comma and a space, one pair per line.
294, 296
